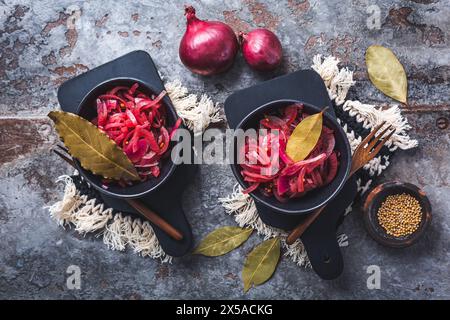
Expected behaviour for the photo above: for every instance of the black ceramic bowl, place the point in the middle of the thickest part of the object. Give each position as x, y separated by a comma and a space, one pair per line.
372, 203
315, 198
87, 110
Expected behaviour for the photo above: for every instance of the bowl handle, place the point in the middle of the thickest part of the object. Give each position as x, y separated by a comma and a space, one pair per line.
323, 251
319, 239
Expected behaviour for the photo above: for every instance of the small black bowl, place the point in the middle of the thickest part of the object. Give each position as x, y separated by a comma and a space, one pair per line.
315, 198
372, 203
87, 110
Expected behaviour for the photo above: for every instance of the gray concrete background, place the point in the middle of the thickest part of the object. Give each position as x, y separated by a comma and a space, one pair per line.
43, 43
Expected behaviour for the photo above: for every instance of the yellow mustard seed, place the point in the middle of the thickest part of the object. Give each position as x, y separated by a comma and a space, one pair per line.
400, 215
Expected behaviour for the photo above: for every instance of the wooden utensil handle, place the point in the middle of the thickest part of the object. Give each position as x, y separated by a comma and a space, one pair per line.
302, 226
139, 206
154, 218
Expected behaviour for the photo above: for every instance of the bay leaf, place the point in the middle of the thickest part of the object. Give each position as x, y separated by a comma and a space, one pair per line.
223, 240
386, 72
260, 263
93, 148
304, 137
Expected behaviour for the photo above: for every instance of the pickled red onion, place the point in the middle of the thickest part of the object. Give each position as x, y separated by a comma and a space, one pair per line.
137, 123
291, 179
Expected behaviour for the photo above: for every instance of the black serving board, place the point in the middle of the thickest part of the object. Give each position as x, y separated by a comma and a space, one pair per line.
166, 200
320, 239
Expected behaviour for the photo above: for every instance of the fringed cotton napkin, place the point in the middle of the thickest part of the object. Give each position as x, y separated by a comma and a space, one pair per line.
82, 208
357, 119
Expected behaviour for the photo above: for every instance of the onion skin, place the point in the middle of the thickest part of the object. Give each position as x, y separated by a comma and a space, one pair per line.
207, 47
261, 49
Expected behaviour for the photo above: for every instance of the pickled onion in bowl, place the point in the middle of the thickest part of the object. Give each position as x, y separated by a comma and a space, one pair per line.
268, 168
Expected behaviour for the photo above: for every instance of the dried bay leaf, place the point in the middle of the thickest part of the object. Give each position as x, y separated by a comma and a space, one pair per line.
93, 148
386, 72
260, 263
304, 137
222, 240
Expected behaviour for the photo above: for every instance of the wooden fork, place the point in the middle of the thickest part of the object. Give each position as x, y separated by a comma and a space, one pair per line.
138, 205
365, 152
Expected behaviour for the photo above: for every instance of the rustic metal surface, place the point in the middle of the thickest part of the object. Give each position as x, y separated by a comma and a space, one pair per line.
43, 43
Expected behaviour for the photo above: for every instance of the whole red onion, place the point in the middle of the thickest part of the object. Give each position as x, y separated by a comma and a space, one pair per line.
207, 47
261, 49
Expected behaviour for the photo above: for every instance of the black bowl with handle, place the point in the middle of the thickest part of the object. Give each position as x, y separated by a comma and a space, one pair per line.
87, 109
314, 198
165, 198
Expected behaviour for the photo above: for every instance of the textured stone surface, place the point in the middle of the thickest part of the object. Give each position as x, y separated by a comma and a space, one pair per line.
43, 43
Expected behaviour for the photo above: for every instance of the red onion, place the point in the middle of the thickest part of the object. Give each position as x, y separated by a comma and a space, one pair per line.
207, 47
137, 123
286, 179
261, 49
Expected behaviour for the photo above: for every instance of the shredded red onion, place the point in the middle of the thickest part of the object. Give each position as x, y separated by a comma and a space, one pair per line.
269, 169
137, 123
